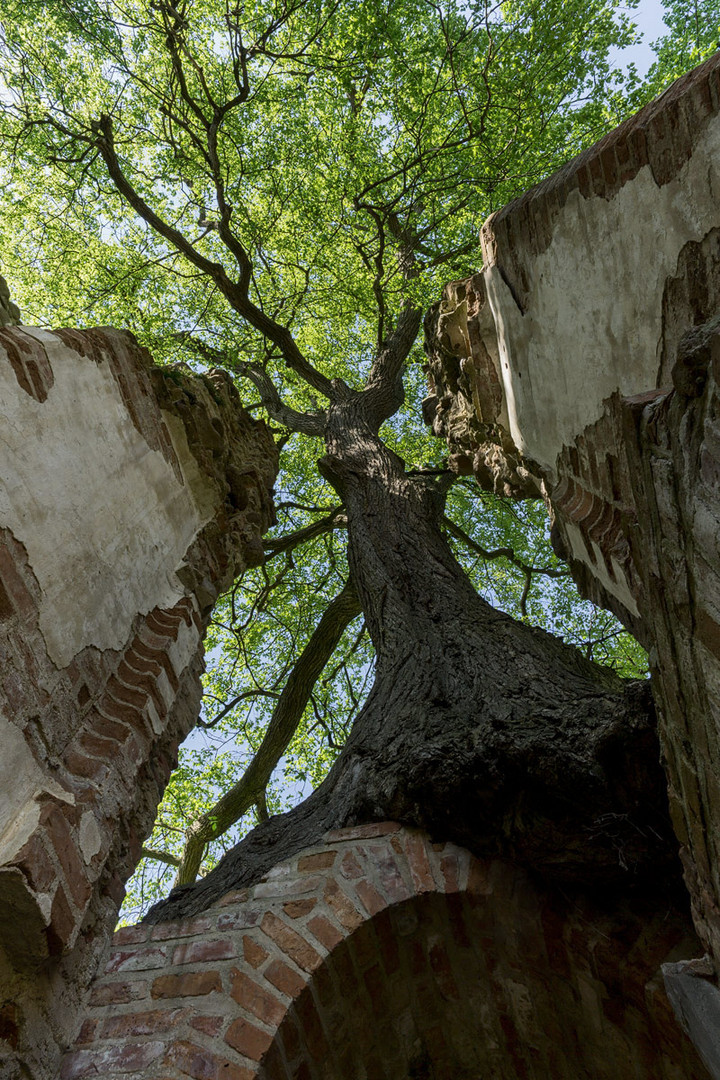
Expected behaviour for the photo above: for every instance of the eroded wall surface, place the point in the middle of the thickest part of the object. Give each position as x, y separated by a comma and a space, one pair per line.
130, 497
582, 363
378, 955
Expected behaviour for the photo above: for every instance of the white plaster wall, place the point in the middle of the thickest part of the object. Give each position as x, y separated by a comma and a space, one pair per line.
594, 316
102, 516
23, 783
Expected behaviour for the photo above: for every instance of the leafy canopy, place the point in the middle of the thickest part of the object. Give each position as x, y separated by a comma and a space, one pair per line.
274, 185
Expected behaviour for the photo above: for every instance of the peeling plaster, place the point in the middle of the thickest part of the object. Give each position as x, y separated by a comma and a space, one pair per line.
20, 804
75, 451
594, 312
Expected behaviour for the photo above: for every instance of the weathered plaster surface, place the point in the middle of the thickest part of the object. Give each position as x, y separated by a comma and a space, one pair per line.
111, 544
130, 497
25, 785
592, 324
604, 286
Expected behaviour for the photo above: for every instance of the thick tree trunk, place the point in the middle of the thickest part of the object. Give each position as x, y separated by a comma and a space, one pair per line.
478, 728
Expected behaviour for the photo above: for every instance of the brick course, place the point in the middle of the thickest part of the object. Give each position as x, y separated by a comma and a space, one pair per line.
468, 966
102, 731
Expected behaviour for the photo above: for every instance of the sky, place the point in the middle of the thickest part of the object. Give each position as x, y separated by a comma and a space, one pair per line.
649, 19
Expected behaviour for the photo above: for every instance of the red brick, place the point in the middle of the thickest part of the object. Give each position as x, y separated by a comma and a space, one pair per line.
62, 923
419, 863
389, 873
243, 918
290, 1038
100, 747
144, 681
164, 627
155, 656
450, 872
202, 952
163, 931
364, 947
253, 952
110, 728
350, 867
292, 944
442, 970
86, 767
139, 960
36, 864
321, 860
117, 993
344, 909
194, 984
295, 909
284, 978
261, 1003
236, 896
288, 886
130, 935
371, 898
201, 1064
478, 881
87, 1032
208, 1025
65, 846
136, 699
248, 1039
374, 979
14, 586
152, 1022
311, 1026
389, 948
327, 934
131, 1057
144, 663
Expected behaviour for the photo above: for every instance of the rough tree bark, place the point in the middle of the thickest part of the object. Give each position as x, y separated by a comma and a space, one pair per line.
479, 729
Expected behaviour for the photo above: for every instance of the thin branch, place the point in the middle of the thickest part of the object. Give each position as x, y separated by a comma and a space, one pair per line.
506, 553
230, 705
283, 724
160, 856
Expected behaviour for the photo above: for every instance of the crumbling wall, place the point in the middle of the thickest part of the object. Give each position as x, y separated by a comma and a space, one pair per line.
378, 955
582, 364
130, 497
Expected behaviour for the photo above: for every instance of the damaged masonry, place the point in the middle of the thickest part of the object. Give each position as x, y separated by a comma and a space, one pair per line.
450, 901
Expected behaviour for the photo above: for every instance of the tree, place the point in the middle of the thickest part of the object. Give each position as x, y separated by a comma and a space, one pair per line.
283, 187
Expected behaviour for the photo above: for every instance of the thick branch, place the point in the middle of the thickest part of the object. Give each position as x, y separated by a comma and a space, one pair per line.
287, 714
384, 393
334, 520
235, 293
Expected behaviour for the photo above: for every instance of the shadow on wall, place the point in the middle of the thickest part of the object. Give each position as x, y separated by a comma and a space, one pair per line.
382, 956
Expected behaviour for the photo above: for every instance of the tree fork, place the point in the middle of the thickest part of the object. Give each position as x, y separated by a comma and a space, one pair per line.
478, 729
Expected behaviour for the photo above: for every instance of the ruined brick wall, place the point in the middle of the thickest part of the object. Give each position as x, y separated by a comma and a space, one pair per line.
130, 497
380, 955
581, 363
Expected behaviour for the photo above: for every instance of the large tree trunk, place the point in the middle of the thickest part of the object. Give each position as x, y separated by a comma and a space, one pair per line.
479, 729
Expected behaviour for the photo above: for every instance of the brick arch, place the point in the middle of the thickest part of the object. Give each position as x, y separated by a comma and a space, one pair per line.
383, 956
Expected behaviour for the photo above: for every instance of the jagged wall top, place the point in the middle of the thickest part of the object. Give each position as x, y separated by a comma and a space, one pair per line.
9, 312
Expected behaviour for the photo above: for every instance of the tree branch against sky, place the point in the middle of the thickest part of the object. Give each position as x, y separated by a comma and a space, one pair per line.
283, 187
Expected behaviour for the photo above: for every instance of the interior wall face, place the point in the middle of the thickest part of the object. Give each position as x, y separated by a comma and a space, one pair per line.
581, 364
119, 525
